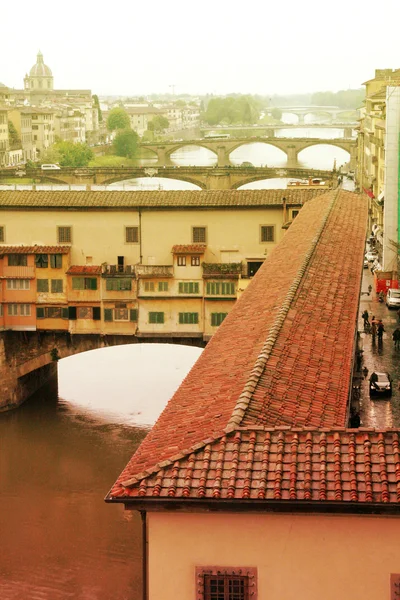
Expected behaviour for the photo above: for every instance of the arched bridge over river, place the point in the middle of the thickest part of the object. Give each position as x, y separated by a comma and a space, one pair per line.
207, 178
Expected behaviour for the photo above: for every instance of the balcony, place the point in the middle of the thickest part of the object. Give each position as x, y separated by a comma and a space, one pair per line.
18, 272
118, 271
161, 271
222, 270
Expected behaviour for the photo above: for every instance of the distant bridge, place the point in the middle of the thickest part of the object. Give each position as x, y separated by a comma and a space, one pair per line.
224, 147
270, 128
302, 111
207, 178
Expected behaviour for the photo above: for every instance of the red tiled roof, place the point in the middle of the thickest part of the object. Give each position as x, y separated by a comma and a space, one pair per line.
34, 249
283, 356
189, 249
84, 270
353, 466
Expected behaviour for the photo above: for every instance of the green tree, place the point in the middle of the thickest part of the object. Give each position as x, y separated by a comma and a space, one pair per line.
276, 113
97, 105
158, 124
13, 133
68, 154
125, 143
118, 119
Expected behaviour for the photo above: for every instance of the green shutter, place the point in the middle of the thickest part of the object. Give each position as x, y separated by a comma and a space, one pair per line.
90, 283
96, 313
108, 314
133, 314
64, 313
42, 285
196, 287
40, 312
181, 287
56, 286
109, 284
78, 283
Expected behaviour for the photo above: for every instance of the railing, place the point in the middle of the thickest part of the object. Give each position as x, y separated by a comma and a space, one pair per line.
118, 270
226, 270
154, 271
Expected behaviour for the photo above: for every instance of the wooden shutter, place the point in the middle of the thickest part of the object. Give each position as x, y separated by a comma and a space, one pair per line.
133, 314
108, 314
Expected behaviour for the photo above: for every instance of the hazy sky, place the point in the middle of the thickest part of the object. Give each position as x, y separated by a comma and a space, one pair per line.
214, 46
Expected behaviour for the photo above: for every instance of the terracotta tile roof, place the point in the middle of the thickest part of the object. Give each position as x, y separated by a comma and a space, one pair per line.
152, 199
283, 355
272, 465
189, 249
84, 270
34, 249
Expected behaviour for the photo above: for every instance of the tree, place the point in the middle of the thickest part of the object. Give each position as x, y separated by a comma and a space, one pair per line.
13, 133
276, 113
68, 154
118, 119
158, 124
125, 143
97, 105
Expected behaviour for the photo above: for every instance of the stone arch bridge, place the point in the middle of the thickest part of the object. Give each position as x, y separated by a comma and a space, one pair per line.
333, 112
28, 360
207, 178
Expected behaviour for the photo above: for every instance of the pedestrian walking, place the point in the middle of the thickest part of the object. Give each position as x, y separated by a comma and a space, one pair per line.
380, 330
365, 317
373, 327
396, 337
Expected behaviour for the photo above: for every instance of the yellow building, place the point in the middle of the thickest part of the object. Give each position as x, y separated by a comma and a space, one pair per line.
4, 143
22, 121
151, 264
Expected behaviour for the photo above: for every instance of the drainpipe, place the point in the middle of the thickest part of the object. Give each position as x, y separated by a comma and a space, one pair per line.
140, 236
144, 554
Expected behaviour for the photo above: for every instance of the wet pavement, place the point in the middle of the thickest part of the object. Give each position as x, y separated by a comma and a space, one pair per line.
381, 412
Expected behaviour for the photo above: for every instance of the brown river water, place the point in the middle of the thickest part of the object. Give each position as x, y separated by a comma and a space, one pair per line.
59, 454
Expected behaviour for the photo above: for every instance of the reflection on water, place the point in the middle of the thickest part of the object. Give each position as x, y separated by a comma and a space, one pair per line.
59, 458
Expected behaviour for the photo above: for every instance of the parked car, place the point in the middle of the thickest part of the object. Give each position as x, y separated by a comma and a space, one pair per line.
380, 384
371, 255
366, 263
393, 298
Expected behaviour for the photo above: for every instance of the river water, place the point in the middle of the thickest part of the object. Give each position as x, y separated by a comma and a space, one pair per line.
63, 449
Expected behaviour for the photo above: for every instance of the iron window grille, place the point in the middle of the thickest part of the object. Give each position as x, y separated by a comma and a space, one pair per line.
199, 235
64, 235
226, 583
132, 235
267, 233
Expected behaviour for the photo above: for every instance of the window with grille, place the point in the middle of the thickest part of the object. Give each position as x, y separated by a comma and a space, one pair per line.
42, 261
56, 286
217, 318
42, 285
181, 261
187, 318
64, 235
17, 260
56, 261
2, 233
198, 235
163, 286
195, 261
267, 233
156, 317
18, 284
118, 285
149, 286
221, 583
84, 312
220, 288
188, 287
132, 235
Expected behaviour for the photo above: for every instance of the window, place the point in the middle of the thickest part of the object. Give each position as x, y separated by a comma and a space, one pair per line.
56, 261
2, 233
118, 285
156, 317
56, 286
42, 261
181, 261
132, 235
226, 583
188, 318
195, 261
217, 318
108, 314
198, 235
53, 312
25, 310
84, 312
220, 288
42, 285
295, 213
188, 287
149, 286
18, 284
121, 314
267, 233
163, 286
64, 235
12, 310
84, 283
17, 260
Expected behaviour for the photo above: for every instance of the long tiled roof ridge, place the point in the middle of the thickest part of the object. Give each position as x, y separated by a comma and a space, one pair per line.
39, 199
244, 398
19, 249
340, 465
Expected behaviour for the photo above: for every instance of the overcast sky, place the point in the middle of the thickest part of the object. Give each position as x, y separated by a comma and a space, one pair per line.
211, 46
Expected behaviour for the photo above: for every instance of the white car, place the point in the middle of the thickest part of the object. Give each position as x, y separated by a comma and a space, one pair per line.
393, 298
371, 255
50, 168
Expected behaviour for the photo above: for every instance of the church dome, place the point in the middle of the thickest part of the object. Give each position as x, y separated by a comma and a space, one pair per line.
40, 69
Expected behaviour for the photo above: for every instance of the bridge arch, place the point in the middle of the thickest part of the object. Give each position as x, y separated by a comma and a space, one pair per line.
195, 144
327, 142
250, 142
178, 176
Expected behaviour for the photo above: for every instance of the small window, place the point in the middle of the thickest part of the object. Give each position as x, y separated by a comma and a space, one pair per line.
295, 213
12, 310
84, 312
56, 261
198, 235
2, 233
181, 261
195, 261
118, 285
156, 317
17, 260
42, 285
226, 583
217, 318
64, 235
25, 310
84, 283
132, 235
188, 287
220, 288
149, 286
18, 284
188, 318
108, 314
56, 286
163, 286
267, 233
42, 261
